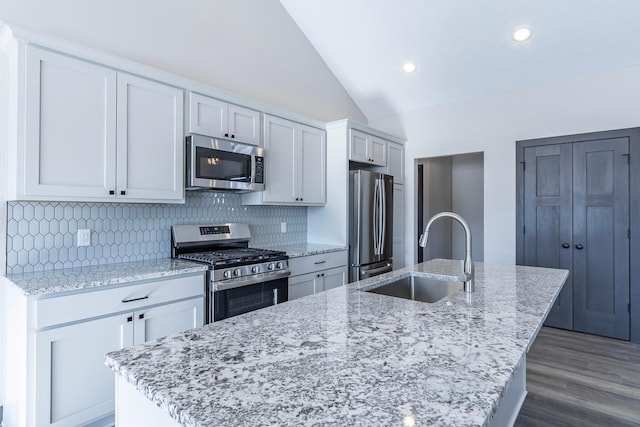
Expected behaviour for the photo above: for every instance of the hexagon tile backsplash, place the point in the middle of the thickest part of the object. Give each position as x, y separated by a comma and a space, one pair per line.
42, 235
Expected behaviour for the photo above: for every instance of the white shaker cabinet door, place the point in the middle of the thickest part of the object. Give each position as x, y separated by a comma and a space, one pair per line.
280, 138
208, 116
158, 322
312, 167
244, 125
359, 144
74, 384
378, 151
150, 145
70, 129
395, 162
334, 278
302, 285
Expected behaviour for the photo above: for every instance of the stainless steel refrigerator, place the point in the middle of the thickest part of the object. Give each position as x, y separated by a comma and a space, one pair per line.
370, 224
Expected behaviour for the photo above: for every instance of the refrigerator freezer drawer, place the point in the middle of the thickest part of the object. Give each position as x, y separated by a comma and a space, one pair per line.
370, 270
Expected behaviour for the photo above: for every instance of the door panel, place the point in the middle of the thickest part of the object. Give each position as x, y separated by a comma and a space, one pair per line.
548, 220
601, 244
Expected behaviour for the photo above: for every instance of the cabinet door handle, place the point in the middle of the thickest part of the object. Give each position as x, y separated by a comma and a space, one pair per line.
130, 319
233, 136
320, 262
579, 246
566, 245
112, 192
227, 135
122, 192
141, 316
134, 299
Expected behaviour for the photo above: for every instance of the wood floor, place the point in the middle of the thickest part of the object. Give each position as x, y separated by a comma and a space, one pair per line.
576, 379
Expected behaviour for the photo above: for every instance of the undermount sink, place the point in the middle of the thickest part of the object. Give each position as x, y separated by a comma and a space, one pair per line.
419, 288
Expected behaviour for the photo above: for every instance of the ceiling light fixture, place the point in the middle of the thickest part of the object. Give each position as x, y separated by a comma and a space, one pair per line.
409, 67
521, 34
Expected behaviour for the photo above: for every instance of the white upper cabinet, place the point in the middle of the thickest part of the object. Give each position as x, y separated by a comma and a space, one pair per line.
295, 164
69, 149
395, 162
312, 169
219, 119
365, 148
93, 134
149, 150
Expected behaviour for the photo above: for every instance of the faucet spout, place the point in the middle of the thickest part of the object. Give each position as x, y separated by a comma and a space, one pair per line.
468, 263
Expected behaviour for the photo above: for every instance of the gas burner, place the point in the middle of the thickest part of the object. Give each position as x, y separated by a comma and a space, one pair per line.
234, 257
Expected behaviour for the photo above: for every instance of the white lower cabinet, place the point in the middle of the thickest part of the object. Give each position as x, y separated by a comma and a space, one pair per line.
317, 273
65, 381
73, 385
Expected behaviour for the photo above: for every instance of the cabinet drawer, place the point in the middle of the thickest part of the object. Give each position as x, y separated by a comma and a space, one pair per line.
311, 263
74, 307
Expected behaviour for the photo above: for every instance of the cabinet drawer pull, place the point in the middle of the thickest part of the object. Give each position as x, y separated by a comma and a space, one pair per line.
320, 262
134, 299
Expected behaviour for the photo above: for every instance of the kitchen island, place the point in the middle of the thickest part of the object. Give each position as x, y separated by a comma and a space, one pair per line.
349, 357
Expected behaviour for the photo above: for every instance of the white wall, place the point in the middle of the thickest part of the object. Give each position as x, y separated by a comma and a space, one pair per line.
493, 124
248, 47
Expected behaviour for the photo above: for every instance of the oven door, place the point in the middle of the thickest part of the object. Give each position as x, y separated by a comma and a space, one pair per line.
243, 299
221, 164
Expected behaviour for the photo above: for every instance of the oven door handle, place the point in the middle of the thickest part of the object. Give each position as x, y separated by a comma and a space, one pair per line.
244, 281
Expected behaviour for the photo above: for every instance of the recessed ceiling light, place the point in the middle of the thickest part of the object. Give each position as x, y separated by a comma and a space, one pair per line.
521, 34
409, 67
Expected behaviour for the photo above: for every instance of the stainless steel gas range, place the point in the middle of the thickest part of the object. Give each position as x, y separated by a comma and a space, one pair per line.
240, 279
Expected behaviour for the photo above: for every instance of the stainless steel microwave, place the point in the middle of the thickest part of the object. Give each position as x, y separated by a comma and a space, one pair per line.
213, 163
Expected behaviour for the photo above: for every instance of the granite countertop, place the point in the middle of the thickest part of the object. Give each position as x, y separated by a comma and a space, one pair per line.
306, 249
72, 279
348, 357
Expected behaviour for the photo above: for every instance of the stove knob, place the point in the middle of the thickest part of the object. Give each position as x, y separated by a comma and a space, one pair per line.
237, 272
278, 265
227, 274
255, 269
271, 266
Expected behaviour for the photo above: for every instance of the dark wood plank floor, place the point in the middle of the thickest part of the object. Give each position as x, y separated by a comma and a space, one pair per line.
576, 379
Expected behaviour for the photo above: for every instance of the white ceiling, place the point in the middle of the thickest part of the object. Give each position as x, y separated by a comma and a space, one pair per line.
463, 48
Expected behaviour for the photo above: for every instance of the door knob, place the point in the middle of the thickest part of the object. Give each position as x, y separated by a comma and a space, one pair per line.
566, 245
579, 246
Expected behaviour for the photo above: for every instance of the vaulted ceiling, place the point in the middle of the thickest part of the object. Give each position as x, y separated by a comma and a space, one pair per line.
463, 48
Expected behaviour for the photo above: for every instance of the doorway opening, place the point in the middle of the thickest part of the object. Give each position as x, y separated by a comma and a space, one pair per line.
452, 183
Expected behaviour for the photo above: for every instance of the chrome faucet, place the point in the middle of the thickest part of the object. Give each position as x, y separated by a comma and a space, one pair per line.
468, 263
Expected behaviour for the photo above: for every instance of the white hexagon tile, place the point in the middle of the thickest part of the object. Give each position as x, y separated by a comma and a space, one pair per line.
42, 235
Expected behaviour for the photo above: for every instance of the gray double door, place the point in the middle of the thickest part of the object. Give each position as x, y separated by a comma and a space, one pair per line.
575, 201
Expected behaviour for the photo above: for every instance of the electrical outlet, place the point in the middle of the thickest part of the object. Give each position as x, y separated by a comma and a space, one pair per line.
84, 237
283, 227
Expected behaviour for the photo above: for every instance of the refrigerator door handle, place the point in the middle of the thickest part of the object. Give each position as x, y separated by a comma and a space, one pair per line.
383, 215
376, 219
